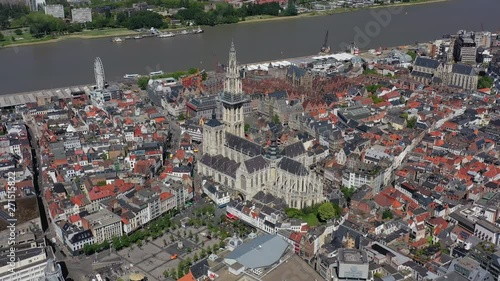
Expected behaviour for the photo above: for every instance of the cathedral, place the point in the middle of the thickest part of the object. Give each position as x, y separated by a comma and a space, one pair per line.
247, 167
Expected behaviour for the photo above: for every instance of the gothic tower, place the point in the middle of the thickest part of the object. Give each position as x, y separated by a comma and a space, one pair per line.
213, 136
232, 98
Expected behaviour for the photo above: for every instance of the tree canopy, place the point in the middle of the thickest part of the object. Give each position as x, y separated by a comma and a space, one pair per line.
276, 119
387, 214
412, 54
328, 211
484, 82
144, 19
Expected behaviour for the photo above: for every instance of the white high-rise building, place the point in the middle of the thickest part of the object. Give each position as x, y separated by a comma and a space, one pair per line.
56, 11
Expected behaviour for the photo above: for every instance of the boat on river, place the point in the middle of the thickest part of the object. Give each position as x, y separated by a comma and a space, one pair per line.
166, 35
198, 30
117, 40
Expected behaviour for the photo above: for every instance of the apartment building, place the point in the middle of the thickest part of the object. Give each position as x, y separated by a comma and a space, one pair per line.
104, 225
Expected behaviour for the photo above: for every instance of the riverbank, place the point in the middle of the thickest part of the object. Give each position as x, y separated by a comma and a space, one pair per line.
265, 18
116, 32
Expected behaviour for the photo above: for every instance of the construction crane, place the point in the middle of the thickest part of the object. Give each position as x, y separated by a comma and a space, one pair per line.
325, 49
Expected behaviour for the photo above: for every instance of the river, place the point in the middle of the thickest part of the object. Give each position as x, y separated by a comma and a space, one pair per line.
70, 62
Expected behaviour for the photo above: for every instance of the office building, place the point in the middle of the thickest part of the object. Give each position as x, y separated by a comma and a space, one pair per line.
464, 48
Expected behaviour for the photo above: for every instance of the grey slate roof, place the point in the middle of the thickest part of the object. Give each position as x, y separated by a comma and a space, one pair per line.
213, 123
256, 164
278, 95
293, 150
299, 72
221, 164
200, 269
426, 62
463, 69
421, 74
260, 252
292, 166
244, 145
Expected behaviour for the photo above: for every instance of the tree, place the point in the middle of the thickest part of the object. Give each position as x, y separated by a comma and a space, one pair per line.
144, 19
173, 273
347, 191
276, 119
2, 38
291, 10
484, 82
326, 211
373, 88
247, 127
412, 54
89, 249
142, 82
293, 213
376, 99
411, 122
181, 117
195, 257
387, 214
18, 32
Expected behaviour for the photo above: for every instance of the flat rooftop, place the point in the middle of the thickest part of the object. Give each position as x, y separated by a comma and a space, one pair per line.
293, 268
102, 218
29, 97
352, 256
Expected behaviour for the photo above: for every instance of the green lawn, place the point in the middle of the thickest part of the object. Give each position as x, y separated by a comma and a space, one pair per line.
24, 38
311, 219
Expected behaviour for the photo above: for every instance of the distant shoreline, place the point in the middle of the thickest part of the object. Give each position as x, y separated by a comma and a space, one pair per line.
115, 32
264, 18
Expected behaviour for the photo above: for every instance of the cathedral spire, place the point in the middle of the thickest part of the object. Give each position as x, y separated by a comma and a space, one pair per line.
232, 69
232, 97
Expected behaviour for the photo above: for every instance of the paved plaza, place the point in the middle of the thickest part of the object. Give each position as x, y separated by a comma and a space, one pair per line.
154, 257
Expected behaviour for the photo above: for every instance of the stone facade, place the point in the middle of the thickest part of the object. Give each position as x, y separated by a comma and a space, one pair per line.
246, 167
431, 71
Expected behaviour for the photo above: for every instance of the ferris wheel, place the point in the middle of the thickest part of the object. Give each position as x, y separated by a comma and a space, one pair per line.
99, 73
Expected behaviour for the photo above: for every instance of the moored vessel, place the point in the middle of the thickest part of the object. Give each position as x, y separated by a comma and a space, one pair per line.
198, 30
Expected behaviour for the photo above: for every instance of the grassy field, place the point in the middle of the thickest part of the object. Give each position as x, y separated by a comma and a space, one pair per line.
27, 39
